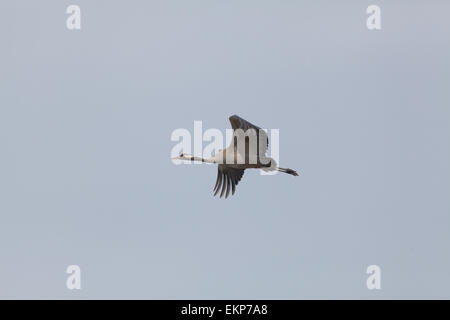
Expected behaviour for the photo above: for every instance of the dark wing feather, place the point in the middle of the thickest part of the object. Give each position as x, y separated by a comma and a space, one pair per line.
227, 180
224, 185
239, 123
228, 186
219, 179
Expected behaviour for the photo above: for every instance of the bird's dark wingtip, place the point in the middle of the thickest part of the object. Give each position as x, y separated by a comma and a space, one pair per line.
235, 121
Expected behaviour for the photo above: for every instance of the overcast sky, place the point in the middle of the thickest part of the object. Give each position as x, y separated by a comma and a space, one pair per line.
86, 178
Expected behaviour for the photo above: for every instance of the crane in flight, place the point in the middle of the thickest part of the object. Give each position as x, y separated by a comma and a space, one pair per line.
247, 150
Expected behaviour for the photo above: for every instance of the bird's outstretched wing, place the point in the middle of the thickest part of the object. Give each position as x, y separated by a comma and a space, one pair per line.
239, 123
227, 179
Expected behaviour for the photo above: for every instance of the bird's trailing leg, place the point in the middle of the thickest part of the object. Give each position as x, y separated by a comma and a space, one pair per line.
289, 171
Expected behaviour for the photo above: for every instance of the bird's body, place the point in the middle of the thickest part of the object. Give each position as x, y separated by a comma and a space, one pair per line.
247, 151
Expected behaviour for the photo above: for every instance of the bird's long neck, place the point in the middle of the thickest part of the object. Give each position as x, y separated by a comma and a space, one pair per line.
193, 158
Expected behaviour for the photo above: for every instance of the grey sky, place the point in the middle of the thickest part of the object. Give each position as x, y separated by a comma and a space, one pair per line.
85, 124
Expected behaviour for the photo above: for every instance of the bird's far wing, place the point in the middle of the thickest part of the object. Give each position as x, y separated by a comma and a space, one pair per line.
227, 179
239, 123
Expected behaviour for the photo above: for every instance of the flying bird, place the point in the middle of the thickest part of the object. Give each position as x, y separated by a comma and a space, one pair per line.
233, 160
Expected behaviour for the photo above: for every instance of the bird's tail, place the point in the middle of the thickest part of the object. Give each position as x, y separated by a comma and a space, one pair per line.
287, 170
